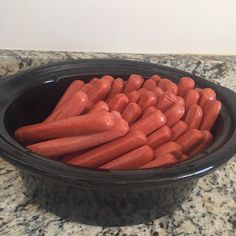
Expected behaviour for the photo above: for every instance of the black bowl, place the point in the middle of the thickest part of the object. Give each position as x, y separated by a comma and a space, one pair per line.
98, 196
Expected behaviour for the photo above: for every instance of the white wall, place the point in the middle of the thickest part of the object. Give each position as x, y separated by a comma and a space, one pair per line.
144, 26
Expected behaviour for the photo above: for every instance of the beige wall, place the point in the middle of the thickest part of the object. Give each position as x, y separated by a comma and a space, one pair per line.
145, 26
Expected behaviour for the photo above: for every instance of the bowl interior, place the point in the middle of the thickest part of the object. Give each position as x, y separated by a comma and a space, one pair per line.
36, 104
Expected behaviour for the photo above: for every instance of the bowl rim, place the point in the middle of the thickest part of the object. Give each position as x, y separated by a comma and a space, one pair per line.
183, 171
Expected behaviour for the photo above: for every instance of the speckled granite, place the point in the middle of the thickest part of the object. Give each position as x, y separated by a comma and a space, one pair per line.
211, 208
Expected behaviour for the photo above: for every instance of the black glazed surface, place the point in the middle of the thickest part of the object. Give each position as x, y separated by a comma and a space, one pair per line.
106, 208
37, 90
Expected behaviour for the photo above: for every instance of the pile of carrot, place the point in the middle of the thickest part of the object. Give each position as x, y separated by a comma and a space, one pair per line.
125, 124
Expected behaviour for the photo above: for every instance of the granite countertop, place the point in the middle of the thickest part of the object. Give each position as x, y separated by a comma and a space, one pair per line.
211, 208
